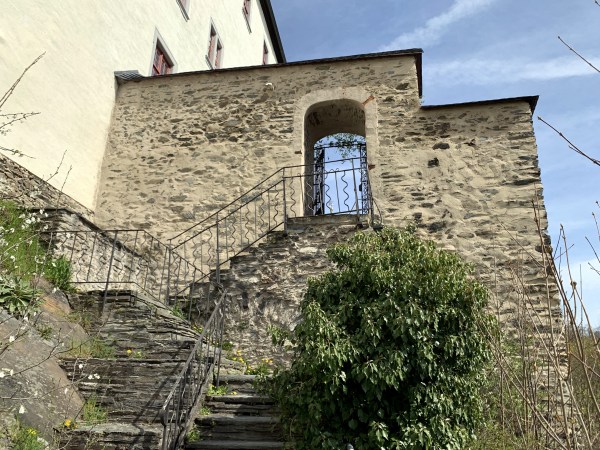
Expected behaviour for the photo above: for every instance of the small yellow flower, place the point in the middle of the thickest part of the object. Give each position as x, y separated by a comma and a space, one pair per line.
129, 351
31, 431
234, 393
67, 423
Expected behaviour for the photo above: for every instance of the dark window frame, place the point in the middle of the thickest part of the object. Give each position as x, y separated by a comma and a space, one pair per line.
214, 54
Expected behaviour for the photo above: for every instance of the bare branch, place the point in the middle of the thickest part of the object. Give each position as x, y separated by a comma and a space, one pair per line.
582, 57
14, 152
10, 91
571, 145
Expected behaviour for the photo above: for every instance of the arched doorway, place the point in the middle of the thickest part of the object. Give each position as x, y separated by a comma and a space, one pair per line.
335, 157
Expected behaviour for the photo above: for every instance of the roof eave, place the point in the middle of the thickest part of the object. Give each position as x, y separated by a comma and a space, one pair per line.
273, 30
532, 100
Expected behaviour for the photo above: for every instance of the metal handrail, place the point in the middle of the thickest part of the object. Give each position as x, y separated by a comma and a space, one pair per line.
176, 272
185, 397
292, 191
245, 194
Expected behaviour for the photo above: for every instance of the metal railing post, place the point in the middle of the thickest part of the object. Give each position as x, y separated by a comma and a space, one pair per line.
221, 343
355, 191
110, 264
285, 224
218, 250
170, 253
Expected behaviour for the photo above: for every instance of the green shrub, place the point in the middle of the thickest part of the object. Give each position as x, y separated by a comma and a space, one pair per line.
26, 438
95, 347
391, 351
17, 296
93, 413
58, 272
21, 254
217, 390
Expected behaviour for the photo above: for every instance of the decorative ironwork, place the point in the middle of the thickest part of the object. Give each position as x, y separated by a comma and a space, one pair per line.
331, 188
200, 369
186, 273
110, 260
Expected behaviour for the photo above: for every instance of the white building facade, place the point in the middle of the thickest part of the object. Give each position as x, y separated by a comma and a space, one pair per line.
84, 43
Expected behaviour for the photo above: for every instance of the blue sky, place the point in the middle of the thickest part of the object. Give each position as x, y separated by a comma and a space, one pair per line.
486, 49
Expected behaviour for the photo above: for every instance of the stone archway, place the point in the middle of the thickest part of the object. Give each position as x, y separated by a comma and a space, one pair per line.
342, 187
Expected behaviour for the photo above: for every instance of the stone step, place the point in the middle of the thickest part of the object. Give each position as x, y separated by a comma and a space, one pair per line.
111, 436
143, 333
234, 445
229, 367
125, 368
229, 427
241, 409
253, 399
239, 382
154, 349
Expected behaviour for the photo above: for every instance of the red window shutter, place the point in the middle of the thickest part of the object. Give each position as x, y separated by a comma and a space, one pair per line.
161, 65
211, 43
218, 56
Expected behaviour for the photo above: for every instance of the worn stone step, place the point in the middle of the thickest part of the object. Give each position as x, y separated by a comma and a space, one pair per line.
143, 334
253, 399
239, 382
81, 368
226, 427
111, 436
154, 349
234, 445
229, 367
242, 409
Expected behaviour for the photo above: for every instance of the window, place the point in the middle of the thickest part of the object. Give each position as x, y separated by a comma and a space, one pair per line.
162, 64
214, 55
265, 58
246, 10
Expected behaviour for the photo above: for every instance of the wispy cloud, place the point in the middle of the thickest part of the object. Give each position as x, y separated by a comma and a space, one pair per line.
482, 71
435, 28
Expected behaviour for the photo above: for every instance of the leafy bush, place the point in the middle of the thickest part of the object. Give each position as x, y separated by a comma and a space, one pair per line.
95, 347
58, 272
21, 253
23, 258
93, 413
25, 438
17, 296
391, 351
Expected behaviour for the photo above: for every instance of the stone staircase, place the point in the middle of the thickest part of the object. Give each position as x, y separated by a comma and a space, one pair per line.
149, 347
241, 419
268, 280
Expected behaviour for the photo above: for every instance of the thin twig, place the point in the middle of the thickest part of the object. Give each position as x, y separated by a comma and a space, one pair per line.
571, 145
582, 57
10, 91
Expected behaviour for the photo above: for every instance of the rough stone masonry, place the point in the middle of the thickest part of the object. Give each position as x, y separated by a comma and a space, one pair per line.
180, 147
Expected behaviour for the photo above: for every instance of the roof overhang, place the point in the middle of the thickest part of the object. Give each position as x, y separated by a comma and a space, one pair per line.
531, 100
273, 30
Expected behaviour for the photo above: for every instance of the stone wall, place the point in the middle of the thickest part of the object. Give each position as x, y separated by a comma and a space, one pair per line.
267, 283
127, 259
183, 146
26, 189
